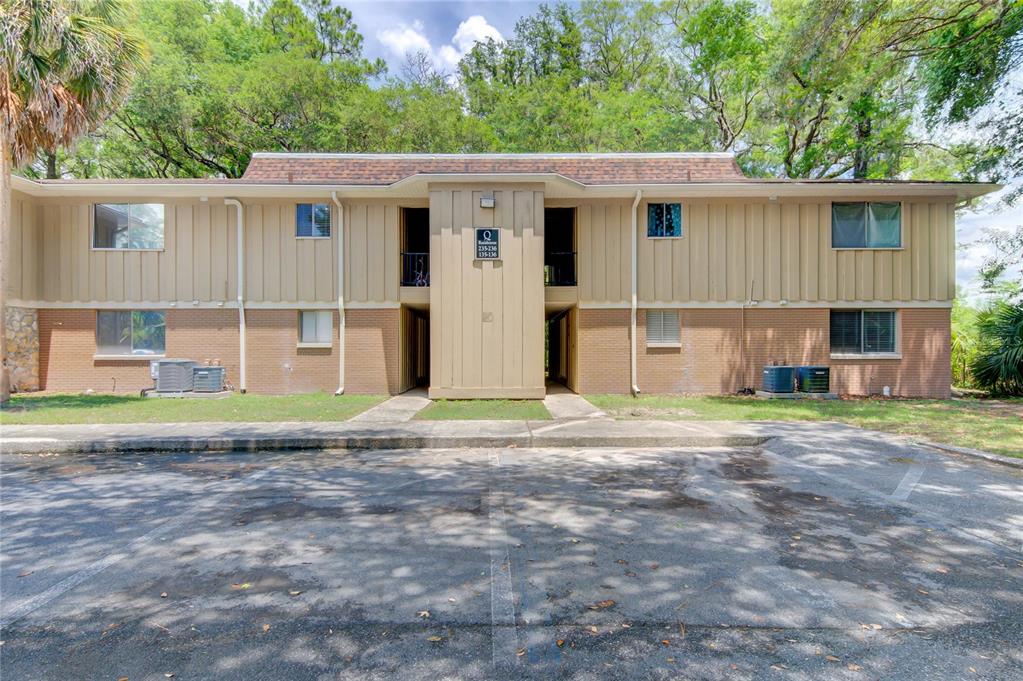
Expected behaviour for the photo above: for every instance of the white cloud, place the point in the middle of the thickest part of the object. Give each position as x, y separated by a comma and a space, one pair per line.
404, 39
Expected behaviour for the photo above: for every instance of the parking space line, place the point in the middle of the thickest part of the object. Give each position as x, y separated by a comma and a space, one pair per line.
909, 481
935, 519
207, 503
504, 635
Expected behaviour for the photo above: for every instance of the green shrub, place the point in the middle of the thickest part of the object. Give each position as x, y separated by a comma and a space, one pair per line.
998, 361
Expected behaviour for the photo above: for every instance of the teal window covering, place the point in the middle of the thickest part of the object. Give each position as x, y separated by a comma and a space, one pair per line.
866, 225
664, 220
884, 225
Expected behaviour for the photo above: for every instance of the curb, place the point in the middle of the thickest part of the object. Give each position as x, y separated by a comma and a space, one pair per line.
974, 453
185, 444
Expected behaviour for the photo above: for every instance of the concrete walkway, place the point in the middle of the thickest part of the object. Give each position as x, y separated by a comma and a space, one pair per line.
562, 403
398, 409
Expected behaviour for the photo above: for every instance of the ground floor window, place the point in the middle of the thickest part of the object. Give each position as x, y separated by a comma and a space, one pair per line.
862, 331
130, 332
315, 326
662, 328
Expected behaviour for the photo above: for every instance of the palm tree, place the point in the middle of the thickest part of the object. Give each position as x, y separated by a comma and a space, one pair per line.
998, 363
64, 65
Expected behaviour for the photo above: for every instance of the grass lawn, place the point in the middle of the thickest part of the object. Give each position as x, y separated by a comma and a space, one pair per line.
457, 410
991, 425
55, 409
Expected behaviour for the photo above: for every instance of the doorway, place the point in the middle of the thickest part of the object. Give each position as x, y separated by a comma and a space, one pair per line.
559, 347
415, 348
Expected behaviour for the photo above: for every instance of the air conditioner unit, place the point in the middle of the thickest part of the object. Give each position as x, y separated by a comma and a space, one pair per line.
779, 379
208, 379
174, 375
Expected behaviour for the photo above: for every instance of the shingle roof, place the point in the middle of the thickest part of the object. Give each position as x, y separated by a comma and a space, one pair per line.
590, 169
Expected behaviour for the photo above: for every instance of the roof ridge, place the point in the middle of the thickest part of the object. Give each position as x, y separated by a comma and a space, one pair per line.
496, 155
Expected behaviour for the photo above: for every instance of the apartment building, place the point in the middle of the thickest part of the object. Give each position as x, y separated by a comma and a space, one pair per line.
484, 275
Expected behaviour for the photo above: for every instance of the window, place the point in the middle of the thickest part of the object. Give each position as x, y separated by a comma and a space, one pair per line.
315, 327
312, 220
866, 225
858, 332
662, 328
663, 220
130, 332
127, 225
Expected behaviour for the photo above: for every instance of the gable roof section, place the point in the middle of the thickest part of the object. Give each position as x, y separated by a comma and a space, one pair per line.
587, 169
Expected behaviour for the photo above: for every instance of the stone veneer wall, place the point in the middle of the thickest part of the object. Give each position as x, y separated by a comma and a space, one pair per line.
23, 348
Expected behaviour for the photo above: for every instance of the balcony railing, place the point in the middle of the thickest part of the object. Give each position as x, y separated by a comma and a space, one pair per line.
415, 269
559, 269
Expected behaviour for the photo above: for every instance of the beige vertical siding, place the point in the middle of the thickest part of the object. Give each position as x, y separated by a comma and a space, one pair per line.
486, 317
53, 259
780, 250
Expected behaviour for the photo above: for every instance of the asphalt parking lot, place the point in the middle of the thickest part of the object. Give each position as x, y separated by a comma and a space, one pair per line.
846, 557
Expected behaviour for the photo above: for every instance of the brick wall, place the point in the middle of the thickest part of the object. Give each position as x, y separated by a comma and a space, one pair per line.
602, 344
709, 360
276, 365
925, 369
67, 345
372, 362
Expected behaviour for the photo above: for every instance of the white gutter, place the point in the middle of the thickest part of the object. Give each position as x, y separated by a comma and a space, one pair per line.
239, 221
340, 294
632, 304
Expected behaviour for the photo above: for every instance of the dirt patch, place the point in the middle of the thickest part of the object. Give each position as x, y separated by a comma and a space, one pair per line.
652, 412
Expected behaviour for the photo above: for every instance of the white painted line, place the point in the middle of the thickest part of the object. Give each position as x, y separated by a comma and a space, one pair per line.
909, 481
33, 603
503, 633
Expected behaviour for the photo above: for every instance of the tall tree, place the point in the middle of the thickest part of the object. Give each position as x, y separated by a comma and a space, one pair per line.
64, 65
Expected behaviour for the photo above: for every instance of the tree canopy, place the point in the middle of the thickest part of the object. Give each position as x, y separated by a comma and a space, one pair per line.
795, 88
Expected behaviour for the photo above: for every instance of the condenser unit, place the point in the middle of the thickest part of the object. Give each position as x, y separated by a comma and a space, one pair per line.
174, 375
208, 379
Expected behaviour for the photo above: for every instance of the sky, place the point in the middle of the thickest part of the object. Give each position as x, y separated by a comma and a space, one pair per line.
446, 30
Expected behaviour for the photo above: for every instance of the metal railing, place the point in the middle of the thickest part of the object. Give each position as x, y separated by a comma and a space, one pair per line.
415, 269
559, 269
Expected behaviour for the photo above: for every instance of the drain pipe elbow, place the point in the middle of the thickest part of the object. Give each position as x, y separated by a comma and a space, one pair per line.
633, 373
340, 294
239, 214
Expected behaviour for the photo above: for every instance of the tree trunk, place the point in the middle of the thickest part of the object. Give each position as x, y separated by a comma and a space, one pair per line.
51, 166
5, 226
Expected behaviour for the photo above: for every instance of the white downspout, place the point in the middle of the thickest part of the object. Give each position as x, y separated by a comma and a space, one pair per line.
632, 308
239, 223
340, 294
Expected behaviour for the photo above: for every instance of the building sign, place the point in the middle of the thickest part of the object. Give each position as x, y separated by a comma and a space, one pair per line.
488, 243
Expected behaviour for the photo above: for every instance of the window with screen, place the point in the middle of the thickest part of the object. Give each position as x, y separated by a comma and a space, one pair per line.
866, 225
128, 226
315, 326
312, 220
663, 220
860, 332
130, 332
662, 328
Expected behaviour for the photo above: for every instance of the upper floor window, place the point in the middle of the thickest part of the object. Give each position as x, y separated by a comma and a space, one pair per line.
128, 225
130, 332
312, 220
866, 225
862, 331
663, 220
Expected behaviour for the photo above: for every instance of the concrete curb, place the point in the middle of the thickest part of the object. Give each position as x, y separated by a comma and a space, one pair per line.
251, 444
975, 453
